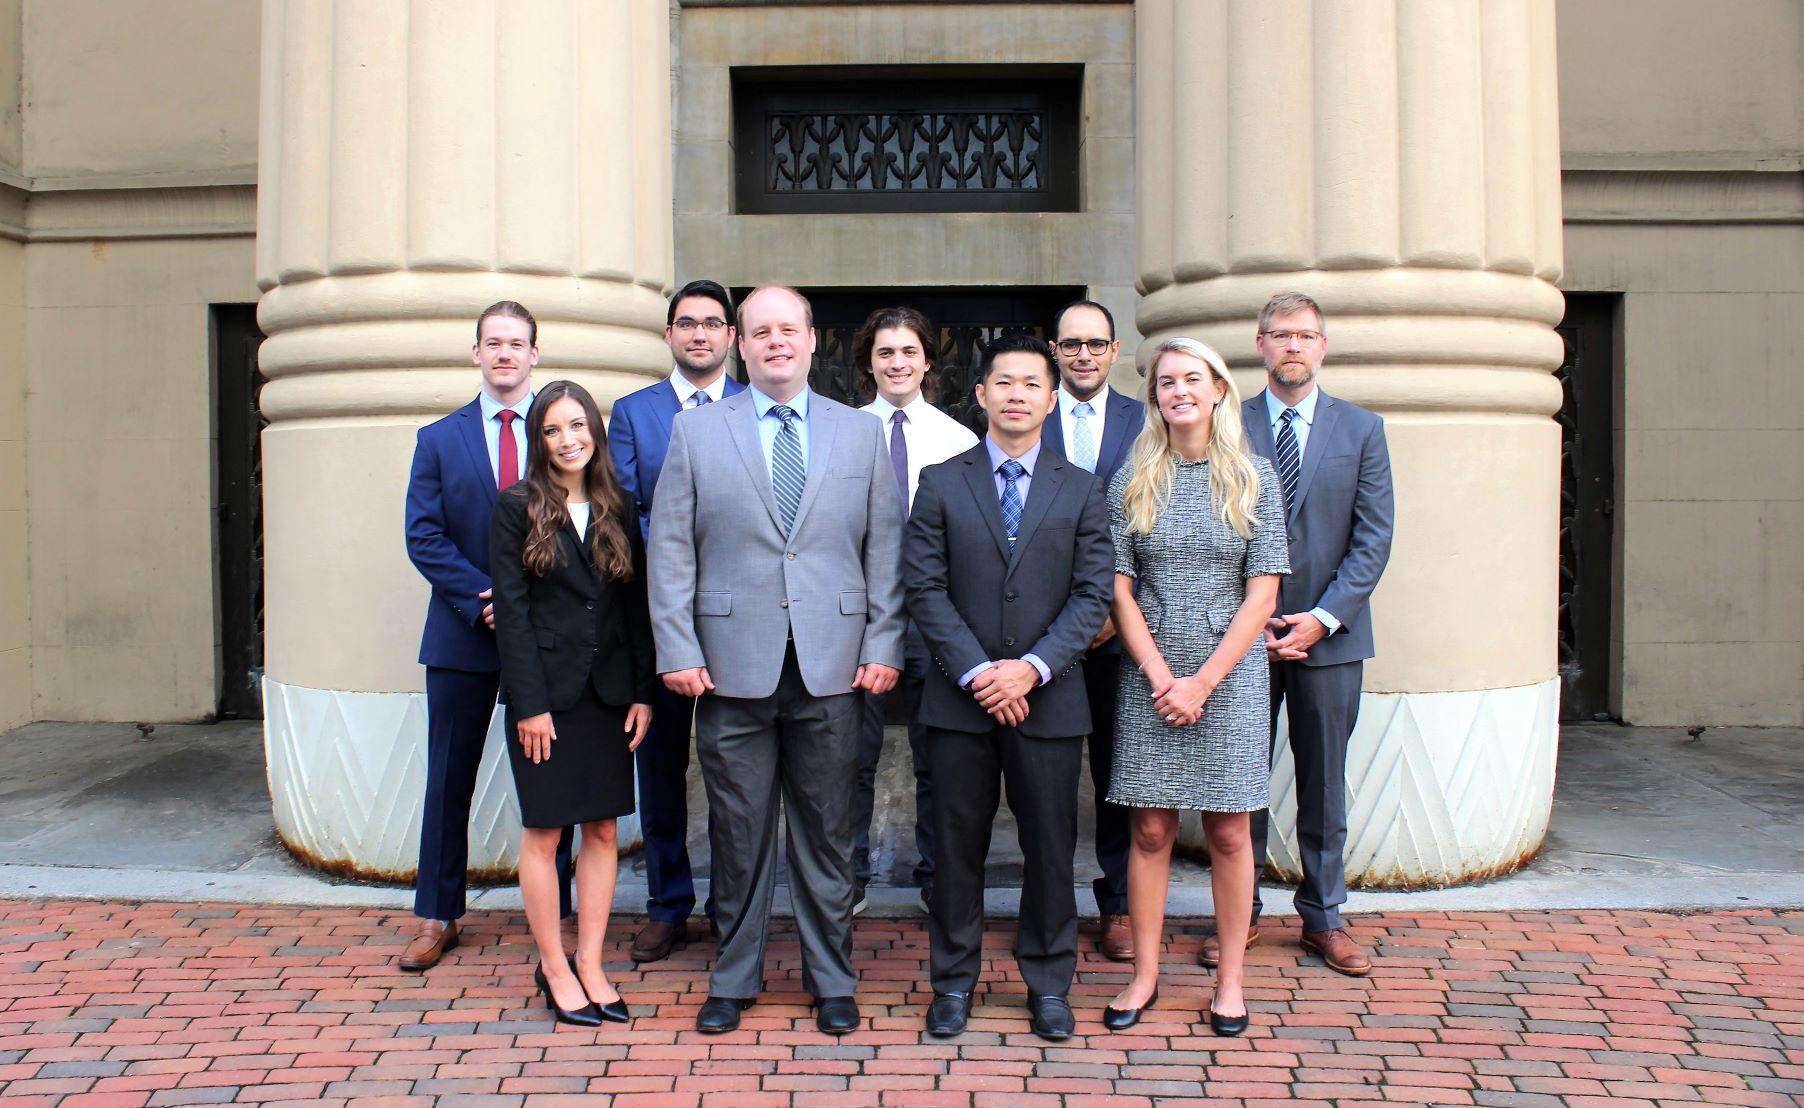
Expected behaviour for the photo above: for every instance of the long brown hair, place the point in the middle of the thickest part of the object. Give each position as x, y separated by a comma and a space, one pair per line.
545, 495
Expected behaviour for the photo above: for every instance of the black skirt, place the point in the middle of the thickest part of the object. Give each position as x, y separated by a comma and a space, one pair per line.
589, 775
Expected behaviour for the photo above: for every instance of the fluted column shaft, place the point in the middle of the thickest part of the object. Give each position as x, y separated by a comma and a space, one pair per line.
1398, 160
421, 159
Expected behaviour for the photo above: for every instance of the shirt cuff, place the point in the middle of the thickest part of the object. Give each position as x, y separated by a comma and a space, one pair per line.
1034, 661
971, 674
1328, 621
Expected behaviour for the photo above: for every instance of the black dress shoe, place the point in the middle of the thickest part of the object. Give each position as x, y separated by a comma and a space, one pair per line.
947, 1014
1051, 1018
1228, 1025
720, 1014
586, 1016
836, 1015
1120, 1019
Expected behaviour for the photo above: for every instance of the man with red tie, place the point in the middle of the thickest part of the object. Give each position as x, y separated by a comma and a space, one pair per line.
460, 464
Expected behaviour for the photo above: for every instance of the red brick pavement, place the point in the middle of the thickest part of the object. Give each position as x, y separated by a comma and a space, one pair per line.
178, 1004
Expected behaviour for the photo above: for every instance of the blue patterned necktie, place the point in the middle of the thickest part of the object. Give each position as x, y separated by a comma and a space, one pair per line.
698, 398
787, 473
1290, 459
1083, 438
1012, 472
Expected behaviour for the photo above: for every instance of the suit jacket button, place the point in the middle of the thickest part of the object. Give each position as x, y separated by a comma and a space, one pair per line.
590, 605
1010, 598
1008, 642
791, 555
783, 603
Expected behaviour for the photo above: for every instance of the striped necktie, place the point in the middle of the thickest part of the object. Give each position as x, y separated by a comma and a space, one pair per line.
787, 473
1011, 496
1290, 459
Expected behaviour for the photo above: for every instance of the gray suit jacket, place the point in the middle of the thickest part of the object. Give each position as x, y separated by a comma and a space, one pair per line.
728, 589
1340, 524
974, 599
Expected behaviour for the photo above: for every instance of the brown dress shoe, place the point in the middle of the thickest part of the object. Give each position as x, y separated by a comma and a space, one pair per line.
429, 945
1210, 955
1338, 949
1117, 939
657, 939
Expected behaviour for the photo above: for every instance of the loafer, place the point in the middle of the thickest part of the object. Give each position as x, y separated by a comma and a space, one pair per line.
1210, 955
836, 1015
720, 1014
657, 939
947, 1014
1228, 1025
1338, 949
1120, 1019
1117, 943
1051, 1018
429, 945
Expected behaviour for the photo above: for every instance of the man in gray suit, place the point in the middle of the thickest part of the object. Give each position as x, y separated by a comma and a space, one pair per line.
1010, 568
776, 599
1334, 466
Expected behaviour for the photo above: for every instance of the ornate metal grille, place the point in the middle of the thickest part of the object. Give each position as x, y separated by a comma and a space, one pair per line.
1587, 503
905, 144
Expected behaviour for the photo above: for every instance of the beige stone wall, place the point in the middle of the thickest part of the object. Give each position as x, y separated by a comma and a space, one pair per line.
140, 91
15, 598
1683, 129
1093, 247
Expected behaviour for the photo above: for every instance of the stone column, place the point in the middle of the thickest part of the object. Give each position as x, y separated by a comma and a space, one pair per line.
419, 161
1398, 160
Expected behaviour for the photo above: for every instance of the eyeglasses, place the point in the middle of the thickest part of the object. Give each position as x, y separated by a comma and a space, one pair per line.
1070, 347
1304, 338
683, 325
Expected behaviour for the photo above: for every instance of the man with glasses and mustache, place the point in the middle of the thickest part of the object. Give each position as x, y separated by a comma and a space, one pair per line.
1093, 428
700, 335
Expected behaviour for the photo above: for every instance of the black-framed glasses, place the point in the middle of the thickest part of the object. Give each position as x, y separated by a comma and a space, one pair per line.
1282, 338
1070, 347
683, 325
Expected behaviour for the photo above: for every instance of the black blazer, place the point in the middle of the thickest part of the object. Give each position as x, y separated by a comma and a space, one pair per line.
572, 626
974, 599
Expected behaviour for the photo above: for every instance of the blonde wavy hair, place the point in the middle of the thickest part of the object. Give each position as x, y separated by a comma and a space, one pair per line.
1233, 482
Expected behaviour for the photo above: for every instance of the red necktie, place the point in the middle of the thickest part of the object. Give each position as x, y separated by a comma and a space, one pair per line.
510, 451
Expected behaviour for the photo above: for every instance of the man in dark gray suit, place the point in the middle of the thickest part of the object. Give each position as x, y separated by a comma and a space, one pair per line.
1332, 460
1009, 568
776, 598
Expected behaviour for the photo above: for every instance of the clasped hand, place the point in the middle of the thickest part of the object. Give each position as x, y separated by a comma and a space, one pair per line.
1178, 700
1002, 690
1288, 638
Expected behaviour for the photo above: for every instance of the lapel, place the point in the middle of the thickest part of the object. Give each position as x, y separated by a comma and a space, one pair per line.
1258, 428
1119, 428
1040, 494
576, 554
1327, 414
742, 425
730, 387
823, 420
1052, 432
664, 407
982, 483
469, 428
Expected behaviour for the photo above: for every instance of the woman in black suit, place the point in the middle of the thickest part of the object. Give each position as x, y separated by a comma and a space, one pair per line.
576, 671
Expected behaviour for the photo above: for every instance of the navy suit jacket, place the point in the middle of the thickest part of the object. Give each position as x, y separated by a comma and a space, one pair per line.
1121, 425
450, 497
639, 437
1340, 523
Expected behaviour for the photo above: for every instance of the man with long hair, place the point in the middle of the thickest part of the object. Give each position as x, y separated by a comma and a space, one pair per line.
450, 497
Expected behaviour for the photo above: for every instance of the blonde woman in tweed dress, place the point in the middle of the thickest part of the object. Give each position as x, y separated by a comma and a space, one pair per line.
1198, 523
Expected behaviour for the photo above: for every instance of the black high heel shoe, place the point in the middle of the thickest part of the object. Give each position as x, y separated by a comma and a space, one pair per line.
586, 1016
614, 1011
1120, 1019
1228, 1025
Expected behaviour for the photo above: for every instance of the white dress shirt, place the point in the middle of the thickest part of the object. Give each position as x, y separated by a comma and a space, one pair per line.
1099, 407
491, 430
686, 390
932, 435
1274, 411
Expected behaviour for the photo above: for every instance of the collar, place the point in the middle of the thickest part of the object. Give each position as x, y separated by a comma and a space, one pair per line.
917, 409
998, 456
1097, 403
684, 389
762, 404
1274, 408
491, 408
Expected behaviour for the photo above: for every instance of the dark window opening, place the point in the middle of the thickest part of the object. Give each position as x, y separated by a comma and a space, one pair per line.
238, 509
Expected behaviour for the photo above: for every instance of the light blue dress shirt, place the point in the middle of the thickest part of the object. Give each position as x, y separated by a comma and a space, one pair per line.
769, 425
1274, 410
1022, 484
491, 430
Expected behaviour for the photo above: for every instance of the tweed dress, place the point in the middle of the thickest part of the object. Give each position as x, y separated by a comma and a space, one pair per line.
1192, 573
